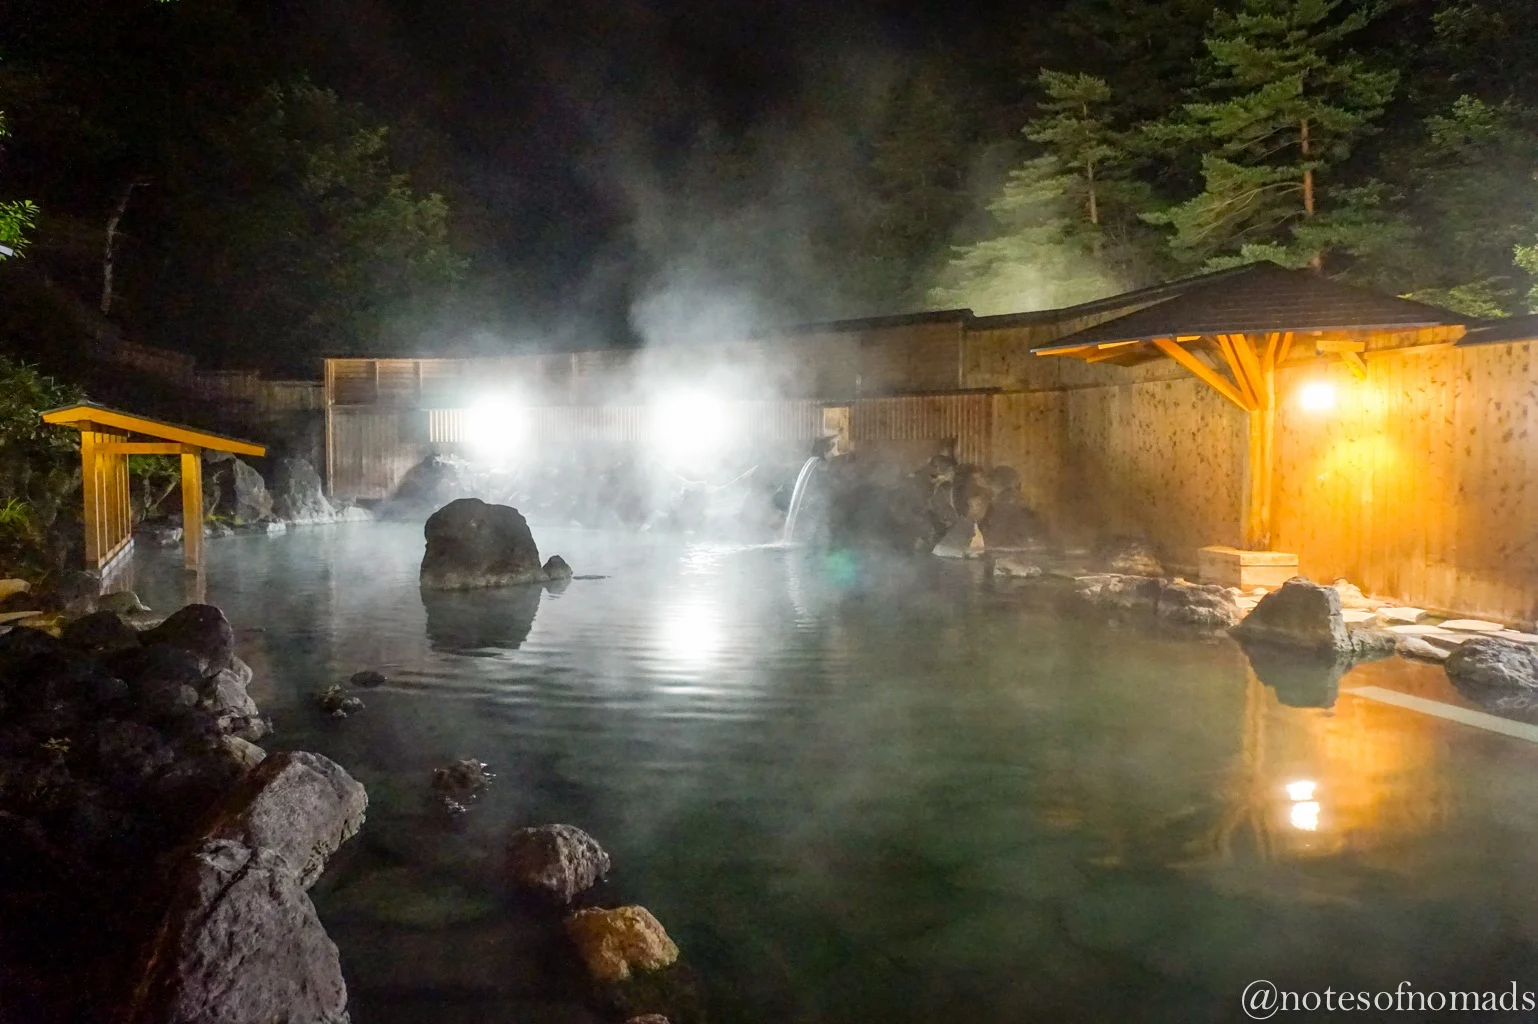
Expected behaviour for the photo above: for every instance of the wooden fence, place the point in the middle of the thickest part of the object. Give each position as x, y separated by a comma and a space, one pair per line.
1420, 485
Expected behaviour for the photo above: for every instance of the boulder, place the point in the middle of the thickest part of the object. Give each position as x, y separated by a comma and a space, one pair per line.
367, 678
201, 629
1416, 648
556, 568
558, 860
460, 783
238, 489
1007, 565
472, 544
77, 592
1488, 665
298, 805
1124, 593
613, 943
962, 540
224, 695
337, 702
161, 535
298, 494
431, 483
1129, 556
100, 633
124, 602
1371, 642
240, 944
1192, 604
1010, 524
1300, 614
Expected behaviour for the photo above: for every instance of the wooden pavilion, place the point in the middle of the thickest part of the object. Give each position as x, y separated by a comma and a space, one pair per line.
1234, 328
105, 445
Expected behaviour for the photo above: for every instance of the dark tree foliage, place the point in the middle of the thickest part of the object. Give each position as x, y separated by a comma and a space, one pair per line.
298, 232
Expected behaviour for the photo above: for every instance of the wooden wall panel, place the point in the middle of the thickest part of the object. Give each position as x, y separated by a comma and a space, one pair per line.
1418, 485
371, 451
1028, 434
1164, 459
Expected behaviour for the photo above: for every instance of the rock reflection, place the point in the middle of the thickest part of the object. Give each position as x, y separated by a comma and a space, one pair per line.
480, 621
1300, 679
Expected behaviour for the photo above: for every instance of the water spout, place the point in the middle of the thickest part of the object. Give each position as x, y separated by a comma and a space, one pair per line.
798, 497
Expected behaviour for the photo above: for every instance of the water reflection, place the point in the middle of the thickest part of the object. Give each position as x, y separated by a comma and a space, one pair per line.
480, 622
690, 635
857, 792
1300, 679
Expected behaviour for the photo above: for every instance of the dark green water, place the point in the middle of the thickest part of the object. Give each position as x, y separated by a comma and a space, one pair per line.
875, 793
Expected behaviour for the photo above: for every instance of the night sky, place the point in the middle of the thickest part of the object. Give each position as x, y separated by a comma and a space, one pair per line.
539, 119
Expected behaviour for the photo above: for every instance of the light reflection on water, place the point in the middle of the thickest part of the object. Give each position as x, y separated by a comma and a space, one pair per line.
858, 792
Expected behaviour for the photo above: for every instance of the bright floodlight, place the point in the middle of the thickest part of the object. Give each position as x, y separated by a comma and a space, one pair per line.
1304, 816
689, 424
1317, 396
495, 426
1301, 790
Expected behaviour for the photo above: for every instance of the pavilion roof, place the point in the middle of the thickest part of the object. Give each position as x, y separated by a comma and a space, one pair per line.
1258, 299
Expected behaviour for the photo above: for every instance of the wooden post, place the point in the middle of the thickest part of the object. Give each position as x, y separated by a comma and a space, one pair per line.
192, 508
89, 462
1260, 467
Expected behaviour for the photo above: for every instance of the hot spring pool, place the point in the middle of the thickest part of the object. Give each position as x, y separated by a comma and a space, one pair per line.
874, 793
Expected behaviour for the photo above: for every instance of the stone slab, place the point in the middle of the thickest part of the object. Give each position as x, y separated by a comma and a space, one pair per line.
1358, 615
1472, 626
1397, 614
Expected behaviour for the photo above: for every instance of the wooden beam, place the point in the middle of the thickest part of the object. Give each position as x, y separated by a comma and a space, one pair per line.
1285, 350
149, 448
1201, 370
192, 511
1356, 363
1340, 345
1251, 365
1227, 346
1273, 349
84, 414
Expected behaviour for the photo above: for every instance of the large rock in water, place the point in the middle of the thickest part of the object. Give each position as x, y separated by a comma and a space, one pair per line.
240, 942
472, 544
613, 942
1490, 666
559, 860
298, 494
236, 488
1301, 614
301, 806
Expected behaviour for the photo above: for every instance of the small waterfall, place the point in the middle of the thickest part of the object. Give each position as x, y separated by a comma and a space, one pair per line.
798, 497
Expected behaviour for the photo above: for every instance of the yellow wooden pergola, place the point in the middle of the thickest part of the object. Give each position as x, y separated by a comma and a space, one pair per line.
1234, 328
105, 445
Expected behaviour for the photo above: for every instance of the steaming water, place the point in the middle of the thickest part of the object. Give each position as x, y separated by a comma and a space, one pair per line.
798, 497
858, 793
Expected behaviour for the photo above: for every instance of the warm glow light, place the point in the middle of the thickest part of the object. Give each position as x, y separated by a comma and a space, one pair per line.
495, 426
1305, 816
1317, 396
689, 424
1301, 790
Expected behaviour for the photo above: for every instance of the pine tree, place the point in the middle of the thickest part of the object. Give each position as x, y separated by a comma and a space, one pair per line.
1284, 100
1068, 220
1473, 197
